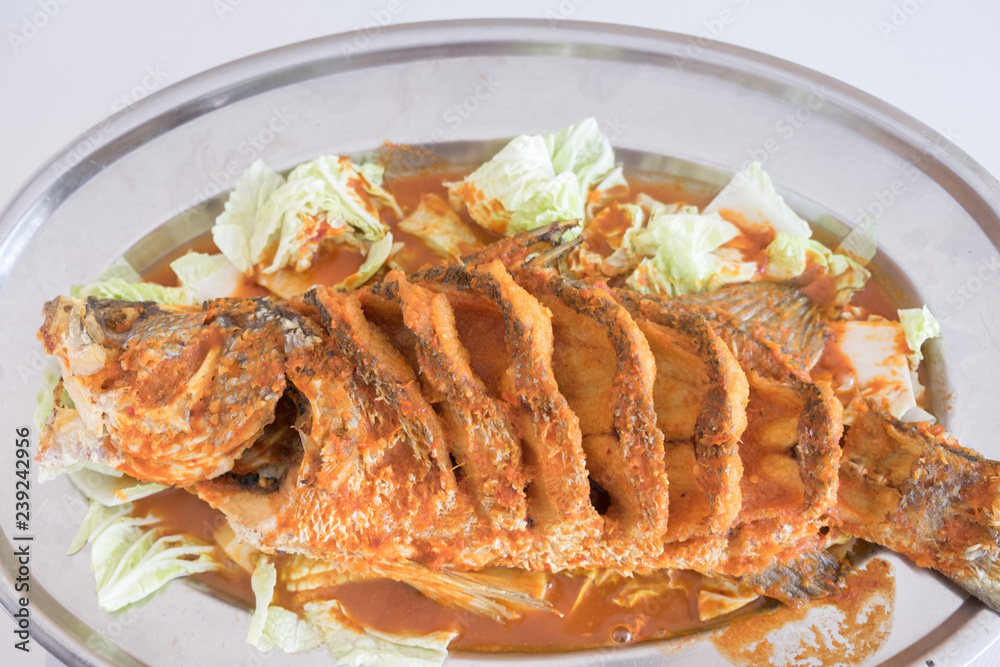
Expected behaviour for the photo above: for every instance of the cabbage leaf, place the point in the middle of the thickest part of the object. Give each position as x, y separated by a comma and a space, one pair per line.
116, 288
919, 326
206, 276
789, 257
236, 224
377, 254
121, 281
751, 194
273, 626
109, 486
682, 253
132, 559
537, 179
352, 644
271, 224
861, 243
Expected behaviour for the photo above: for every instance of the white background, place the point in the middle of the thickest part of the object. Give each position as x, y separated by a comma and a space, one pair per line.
62, 72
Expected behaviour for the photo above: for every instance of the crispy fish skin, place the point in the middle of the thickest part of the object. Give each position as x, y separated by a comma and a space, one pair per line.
407, 452
161, 381
790, 450
186, 395
605, 370
562, 523
515, 251
481, 437
701, 398
913, 489
808, 568
781, 313
375, 484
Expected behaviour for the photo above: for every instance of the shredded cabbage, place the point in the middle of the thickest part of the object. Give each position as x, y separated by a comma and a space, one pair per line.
328, 622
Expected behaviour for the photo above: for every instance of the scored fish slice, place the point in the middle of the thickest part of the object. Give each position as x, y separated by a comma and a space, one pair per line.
509, 339
483, 446
375, 484
790, 450
700, 395
604, 369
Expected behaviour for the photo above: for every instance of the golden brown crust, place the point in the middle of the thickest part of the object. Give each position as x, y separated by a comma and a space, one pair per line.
605, 370
481, 439
561, 520
702, 396
790, 450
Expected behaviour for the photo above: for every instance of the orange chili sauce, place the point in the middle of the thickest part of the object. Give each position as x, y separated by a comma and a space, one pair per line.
864, 604
396, 607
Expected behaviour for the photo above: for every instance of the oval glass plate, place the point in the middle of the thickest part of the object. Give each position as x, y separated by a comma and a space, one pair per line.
668, 104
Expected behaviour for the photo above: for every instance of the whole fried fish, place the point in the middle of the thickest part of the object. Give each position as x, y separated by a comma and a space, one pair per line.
493, 412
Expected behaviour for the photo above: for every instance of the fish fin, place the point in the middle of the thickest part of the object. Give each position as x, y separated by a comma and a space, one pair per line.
781, 313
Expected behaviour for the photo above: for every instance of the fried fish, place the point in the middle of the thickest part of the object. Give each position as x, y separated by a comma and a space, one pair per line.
492, 412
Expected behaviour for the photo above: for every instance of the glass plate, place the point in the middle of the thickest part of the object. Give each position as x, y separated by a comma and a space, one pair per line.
668, 103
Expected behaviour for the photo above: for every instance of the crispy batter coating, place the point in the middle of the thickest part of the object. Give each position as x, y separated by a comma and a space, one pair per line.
509, 338
605, 370
790, 449
481, 440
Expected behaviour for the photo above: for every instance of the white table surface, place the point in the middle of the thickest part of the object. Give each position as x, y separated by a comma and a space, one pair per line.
61, 74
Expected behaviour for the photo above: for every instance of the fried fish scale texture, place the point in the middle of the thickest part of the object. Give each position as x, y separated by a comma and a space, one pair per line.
474, 415
442, 424
700, 396
508, 335
375, 484
479, 428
